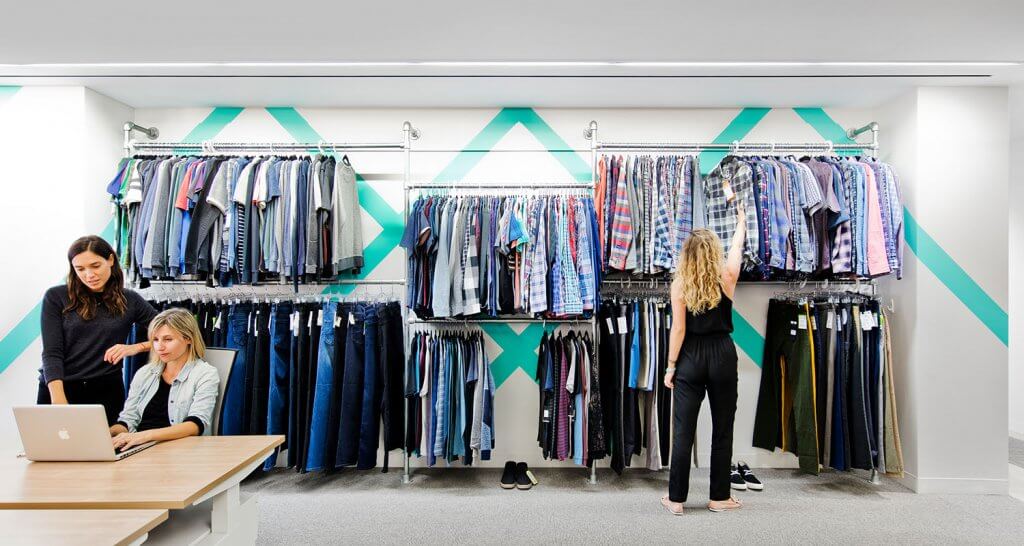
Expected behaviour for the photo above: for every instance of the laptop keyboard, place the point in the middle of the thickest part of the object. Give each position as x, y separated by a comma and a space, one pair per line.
133, 451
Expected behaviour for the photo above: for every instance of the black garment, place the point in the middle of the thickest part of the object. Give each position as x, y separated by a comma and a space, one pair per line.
714, 321
631, 429
73, 348
664, 393
106, 390
204, 218
340, 334
312, 351
392, 357
260, 370
155, 414
707, 363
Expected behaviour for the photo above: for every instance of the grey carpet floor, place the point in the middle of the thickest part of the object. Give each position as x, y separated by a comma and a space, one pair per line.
466, 506
1017, 452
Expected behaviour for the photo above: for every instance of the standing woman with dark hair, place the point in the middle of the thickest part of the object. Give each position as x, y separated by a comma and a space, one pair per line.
84, 325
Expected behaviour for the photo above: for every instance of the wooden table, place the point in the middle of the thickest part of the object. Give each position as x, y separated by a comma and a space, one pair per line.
171, 475
74, 527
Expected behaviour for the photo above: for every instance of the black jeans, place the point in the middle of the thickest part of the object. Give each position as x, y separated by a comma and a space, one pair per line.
705, 364
106, 390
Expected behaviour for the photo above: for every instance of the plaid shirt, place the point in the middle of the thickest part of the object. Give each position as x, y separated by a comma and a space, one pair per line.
722, 215
812, 201
684, 206
663, 220
896, 214
573, 299
621, 229
778, 243
842, 247
584, 262
471, 259
537, 259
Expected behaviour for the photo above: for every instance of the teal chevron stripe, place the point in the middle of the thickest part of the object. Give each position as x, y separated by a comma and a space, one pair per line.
497, 128
517, 350
827, 128
745, 336
927, 249
27, 330
391, 222
6, 91
218, 118
738, 128
949, 273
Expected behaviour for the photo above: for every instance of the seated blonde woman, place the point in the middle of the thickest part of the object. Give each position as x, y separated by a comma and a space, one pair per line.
174, 395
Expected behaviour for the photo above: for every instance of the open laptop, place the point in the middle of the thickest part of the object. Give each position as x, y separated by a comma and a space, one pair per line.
68, 433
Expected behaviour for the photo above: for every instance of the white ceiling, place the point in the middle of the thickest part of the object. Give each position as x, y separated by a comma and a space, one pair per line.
230, 52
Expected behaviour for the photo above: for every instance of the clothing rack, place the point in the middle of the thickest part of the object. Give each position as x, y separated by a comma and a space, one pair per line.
481, 185
208, 147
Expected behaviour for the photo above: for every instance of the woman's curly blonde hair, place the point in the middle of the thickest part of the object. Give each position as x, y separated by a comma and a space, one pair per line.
700, 270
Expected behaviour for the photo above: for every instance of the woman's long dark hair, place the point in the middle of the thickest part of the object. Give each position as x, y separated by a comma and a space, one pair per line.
80, 297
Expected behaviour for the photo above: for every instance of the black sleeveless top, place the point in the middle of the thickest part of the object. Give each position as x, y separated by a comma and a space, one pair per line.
713, 322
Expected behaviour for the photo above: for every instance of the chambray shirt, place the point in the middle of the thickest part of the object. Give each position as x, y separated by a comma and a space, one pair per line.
193, 394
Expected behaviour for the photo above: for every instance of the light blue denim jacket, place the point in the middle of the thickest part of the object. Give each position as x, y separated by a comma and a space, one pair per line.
193, 393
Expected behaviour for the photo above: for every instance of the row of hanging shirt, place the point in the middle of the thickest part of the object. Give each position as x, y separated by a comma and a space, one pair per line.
450, 397
498, 255
822, 217
827, 390
237, 219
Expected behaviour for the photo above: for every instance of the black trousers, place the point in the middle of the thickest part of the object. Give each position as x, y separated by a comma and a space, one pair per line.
261, 370
706, 364
106, 390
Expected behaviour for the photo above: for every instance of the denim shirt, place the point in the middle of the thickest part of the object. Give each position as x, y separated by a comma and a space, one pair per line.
193, 394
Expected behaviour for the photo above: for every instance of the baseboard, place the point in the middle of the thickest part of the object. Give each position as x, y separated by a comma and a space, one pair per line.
959, 486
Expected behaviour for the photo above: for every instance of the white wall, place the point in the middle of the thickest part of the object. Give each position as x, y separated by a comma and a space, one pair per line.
953, 403
54, 194
1016, 372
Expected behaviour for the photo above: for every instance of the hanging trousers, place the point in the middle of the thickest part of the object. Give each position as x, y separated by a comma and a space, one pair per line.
232, 419
352, 391
706, 364
393, 362
280, 361
322, 389
260, 370
340, 336
369, 422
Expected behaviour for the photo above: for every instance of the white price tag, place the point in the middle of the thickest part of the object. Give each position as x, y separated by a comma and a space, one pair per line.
830, 320
351, 319
216, 323
309, 321
622, 325
611, 325
248, 324
319, 317
727, 190
801, 322
792, 332
337, 320
814, 323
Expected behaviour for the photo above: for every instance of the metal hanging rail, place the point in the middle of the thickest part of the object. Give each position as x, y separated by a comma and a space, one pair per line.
226, 148
736, 146
498, 185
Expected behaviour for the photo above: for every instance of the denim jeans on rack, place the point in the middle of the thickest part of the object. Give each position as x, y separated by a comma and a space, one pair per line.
352, 389
369, 426
280, 362
322, 390
233, 406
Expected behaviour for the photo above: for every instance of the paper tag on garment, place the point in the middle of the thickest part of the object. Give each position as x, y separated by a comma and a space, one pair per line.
319, 317
830, 320
801, 322
248, 324
622, 325
846, 318
867, 320
337, 320
216, 322
792, 332
814, 323
351, 319
547, 416
309, 321
727, 190
611, 325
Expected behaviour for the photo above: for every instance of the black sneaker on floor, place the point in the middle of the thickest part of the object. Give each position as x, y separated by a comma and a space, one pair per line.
508, 476
736, 481
522, 480
751, 480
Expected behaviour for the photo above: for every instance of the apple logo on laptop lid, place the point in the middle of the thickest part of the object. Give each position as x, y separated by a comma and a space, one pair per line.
63, 434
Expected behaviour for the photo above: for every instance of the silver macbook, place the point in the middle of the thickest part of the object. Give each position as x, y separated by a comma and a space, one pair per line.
68, 433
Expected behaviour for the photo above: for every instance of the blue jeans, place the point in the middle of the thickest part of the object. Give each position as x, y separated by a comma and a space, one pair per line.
280, 360
352, 390
369, 426
233, 405
322, 391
